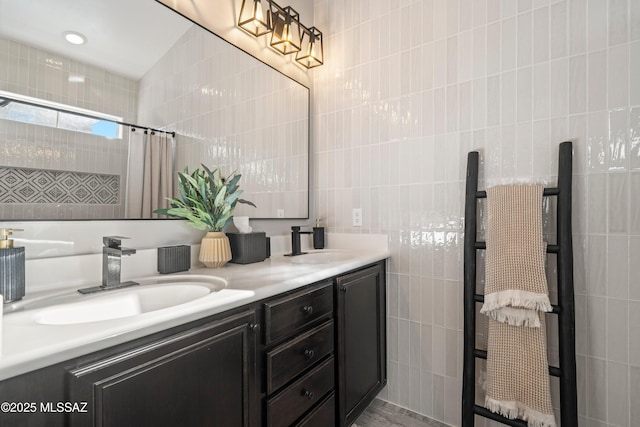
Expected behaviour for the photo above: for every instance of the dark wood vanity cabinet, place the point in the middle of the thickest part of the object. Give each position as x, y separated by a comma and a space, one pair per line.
312, 357
326, 351
299, 362
361, 332
204, 376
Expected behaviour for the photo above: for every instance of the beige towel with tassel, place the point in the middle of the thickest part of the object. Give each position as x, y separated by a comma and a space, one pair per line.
516, 297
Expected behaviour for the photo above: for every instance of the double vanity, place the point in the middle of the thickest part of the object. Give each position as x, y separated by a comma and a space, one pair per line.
288, 341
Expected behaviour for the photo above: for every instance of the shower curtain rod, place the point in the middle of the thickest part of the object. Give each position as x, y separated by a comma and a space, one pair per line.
90, 116
152, 130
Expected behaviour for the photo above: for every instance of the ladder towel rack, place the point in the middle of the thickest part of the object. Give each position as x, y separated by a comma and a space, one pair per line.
565, 309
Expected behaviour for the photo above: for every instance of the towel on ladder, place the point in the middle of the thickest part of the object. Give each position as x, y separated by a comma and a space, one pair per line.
516, 297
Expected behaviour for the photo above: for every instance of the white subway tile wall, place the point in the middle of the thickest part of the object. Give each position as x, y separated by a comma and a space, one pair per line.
407, 89
33, 72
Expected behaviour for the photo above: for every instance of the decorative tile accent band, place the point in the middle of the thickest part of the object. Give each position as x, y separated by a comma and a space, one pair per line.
24, 185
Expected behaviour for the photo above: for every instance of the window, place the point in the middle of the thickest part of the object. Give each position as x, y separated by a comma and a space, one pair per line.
25, 109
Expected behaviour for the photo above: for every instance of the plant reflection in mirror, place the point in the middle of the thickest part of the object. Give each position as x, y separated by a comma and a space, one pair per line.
207, 199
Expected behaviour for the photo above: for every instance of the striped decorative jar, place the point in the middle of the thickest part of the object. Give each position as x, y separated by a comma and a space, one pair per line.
215, 250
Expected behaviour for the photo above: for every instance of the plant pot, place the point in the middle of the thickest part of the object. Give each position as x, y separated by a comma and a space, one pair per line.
215, 250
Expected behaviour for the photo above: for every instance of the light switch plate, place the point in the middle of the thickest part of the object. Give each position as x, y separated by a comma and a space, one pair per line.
357, 217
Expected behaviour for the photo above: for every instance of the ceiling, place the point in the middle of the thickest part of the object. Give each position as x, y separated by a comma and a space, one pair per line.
124, 36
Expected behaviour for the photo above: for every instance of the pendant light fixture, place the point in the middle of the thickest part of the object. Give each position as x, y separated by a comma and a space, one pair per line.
255, 17
310, 54
286, 35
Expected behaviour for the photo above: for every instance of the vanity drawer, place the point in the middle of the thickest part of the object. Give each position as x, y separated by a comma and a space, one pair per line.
287, 406
288, 360
286, 316
322, 416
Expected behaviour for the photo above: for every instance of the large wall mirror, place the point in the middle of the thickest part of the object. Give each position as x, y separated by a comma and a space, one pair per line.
80, 124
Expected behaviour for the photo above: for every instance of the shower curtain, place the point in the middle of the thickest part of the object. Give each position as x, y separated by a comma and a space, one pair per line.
150, 173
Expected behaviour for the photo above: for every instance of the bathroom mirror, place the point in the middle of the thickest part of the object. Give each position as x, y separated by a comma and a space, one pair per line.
146, 65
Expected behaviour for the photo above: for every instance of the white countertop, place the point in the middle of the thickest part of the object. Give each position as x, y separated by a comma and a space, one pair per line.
28, 345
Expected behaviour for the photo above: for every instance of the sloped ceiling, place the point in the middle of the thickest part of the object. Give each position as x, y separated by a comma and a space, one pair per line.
124, 36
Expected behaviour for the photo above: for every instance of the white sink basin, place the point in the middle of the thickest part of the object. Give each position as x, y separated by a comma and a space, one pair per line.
155, 298
321, 257
121, 303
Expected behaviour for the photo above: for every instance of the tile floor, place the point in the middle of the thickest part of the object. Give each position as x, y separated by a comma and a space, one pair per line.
384, 414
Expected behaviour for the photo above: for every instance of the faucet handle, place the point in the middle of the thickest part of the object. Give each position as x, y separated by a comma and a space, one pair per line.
114, 242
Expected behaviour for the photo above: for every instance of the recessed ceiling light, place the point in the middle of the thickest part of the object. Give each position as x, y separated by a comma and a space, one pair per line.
74, 37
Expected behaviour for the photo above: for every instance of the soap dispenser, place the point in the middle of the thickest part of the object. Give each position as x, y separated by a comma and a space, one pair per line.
318, 236
12, 283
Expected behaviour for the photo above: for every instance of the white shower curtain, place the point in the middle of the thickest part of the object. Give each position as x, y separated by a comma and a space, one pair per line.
150, 173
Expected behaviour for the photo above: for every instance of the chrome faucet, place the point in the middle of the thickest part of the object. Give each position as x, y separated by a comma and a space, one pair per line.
112, 253
295, 241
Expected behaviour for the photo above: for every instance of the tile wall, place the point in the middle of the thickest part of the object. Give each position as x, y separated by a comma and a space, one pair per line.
407, 89
231, 111
33, 72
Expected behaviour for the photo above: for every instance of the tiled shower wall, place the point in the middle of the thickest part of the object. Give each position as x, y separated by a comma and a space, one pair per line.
33, 72
231, 111
407, 89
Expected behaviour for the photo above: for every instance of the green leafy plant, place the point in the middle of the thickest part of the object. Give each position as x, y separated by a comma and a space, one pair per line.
207, 199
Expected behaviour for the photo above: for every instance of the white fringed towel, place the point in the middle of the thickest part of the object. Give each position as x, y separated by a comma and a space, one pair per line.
516, 297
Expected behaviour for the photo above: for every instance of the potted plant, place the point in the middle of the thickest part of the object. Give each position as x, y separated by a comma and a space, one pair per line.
207, 200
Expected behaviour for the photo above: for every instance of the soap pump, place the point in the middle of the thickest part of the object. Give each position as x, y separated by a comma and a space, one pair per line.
318, 236
12, 283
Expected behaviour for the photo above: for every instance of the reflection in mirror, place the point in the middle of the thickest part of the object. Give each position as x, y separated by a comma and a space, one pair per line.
227, 109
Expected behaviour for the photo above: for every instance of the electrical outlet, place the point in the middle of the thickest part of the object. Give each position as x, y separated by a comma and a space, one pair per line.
280, 213
357, 217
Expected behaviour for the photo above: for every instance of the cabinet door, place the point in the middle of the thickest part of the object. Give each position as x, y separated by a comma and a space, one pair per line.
203, 377
361, 326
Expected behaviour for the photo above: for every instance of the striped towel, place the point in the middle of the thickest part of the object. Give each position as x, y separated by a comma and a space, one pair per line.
516, 297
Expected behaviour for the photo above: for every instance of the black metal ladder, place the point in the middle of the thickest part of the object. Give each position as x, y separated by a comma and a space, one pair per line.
565, 309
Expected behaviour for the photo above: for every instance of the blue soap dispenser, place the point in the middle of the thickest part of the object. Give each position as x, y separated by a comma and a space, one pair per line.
12, 283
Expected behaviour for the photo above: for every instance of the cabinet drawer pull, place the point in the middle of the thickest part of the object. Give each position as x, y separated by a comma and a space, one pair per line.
254, 327
308, 353
308, 394
307, 309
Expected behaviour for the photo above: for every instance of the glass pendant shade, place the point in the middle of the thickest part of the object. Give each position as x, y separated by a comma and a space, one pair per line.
286, 35
255, 17
310, 54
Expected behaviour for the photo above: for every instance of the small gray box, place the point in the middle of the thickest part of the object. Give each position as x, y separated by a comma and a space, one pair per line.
247, 248
172, 259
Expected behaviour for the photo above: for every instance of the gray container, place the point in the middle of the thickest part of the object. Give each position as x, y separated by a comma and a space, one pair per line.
247, 248
172, 259
12, 281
